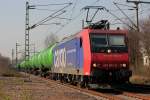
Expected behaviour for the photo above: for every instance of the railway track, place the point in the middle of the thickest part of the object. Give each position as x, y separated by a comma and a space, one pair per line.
123, 95
141, 97
134, 90
97, 95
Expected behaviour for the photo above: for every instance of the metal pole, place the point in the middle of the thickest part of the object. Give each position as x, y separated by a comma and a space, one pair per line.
16, 53
12, 56
137, 16
27, 48
137, 10
34, 50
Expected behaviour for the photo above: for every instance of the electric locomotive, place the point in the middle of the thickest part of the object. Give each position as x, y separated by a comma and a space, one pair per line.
94, 55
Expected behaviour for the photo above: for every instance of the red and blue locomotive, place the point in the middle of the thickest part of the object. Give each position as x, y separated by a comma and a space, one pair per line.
94, 55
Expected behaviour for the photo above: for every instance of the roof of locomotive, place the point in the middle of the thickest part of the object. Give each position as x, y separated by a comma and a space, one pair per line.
77, 35
108, 31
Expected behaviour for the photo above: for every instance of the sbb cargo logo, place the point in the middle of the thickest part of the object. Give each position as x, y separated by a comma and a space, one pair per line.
60, 58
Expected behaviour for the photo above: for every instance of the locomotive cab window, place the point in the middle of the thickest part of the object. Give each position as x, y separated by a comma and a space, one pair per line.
98, 40
117, 40
100, 43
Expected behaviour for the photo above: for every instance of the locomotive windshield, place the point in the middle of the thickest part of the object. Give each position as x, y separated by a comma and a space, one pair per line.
99, 40
116, 40
103, 42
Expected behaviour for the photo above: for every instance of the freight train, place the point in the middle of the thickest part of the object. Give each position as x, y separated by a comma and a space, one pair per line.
94, 55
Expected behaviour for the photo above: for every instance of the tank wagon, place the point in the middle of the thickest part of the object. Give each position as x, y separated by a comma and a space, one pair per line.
40, 63
94, 55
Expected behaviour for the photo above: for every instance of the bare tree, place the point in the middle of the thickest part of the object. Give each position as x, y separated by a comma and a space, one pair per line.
135, 48
145, 28
50, 40
139, 41
4, 61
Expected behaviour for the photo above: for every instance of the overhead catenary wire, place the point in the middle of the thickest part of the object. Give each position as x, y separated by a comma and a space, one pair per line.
131, 16
50, 16
119, 19
125, 5
72, 19
73, 8
118, 9
125, 14
40, 22
46, 9
63, 18
55, 4
137, 2
52, 11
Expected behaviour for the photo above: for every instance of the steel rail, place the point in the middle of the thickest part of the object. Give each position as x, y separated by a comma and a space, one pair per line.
92, 92
84, 91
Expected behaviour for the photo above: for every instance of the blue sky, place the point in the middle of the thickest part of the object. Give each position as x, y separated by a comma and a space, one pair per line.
13, 20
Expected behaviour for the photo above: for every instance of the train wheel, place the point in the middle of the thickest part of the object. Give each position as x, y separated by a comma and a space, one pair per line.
81, 82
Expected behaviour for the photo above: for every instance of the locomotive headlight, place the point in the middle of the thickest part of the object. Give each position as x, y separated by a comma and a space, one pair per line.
94, 65
109, 51
124, 65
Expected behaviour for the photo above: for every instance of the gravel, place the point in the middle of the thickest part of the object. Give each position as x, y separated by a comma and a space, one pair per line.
15, 88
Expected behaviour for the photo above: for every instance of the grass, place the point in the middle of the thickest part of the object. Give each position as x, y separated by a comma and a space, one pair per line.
140, 80
9, 72
22, 94
26, 95
141, 75
3, 96
5, 93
